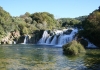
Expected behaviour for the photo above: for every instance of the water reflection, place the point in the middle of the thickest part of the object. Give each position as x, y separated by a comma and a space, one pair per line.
35, 57
93, 60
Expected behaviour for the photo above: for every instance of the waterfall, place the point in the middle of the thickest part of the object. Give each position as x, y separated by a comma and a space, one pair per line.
54, 40
14, 42
57, 32
44, 37
60, 38
90, 45
25, 40
48, 40
63, 39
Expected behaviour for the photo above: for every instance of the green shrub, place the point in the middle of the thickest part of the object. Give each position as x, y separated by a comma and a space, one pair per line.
73, 48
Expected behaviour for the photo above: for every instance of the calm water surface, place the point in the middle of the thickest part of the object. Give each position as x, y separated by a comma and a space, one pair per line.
35, 57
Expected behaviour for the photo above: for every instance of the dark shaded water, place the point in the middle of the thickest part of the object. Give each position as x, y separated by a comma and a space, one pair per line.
35, 57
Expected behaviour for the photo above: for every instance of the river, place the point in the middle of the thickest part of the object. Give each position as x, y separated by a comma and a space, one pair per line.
40, 57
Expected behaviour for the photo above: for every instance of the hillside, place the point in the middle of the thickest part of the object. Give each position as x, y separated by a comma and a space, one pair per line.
91, 26
35, 23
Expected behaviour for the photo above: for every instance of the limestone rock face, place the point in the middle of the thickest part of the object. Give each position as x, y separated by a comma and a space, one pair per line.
14, 37
10, 42
11, 37
15, 33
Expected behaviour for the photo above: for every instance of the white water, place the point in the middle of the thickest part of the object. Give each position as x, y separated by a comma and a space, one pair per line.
57, 32
25, 40
54, 40
44, 37
48, 40
90, 45
14, 42
59, 38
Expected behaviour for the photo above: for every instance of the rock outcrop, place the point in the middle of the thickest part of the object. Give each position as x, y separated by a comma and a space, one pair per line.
11, 38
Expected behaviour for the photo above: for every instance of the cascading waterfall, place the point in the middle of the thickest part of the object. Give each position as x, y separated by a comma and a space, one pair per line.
63, 39
59, 38
54, 40
44, 37
26, 39
90, 45
48, 40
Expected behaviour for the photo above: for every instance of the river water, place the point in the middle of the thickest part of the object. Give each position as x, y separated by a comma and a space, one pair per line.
40, 57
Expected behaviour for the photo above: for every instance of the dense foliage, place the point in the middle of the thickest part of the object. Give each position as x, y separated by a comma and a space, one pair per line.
26, 23
29, 23
68, 22
91, 26
73, 48
44, 20
81, 18
5, 22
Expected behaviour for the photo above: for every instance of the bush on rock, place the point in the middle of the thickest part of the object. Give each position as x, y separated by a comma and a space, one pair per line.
73, 48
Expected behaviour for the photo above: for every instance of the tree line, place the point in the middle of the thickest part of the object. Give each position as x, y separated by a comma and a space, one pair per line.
28, 23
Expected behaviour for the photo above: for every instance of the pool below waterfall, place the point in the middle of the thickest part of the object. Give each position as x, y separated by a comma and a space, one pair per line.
41, 57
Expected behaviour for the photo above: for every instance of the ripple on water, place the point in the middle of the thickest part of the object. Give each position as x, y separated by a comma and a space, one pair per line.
31, 57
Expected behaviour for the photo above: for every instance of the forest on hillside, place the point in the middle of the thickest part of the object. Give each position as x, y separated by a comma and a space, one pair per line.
28, 23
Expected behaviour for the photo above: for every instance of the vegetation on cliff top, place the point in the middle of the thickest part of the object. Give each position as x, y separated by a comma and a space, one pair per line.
28, 23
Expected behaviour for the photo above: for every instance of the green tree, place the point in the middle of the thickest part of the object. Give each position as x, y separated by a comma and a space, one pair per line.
91, 27
44, 19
